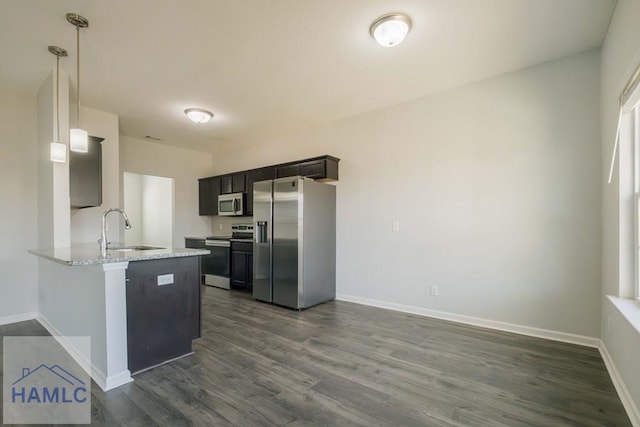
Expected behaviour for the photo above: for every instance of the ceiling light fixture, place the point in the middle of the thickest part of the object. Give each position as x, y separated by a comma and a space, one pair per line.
198, 115
58, 150
390, 30
78, 138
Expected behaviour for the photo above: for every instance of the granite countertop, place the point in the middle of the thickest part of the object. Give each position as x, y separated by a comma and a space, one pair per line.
89, 253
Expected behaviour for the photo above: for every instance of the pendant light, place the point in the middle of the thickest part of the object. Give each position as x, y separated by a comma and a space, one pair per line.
78, 138
58, 150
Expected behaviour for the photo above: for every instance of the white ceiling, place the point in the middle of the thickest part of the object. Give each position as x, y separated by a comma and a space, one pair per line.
269, 66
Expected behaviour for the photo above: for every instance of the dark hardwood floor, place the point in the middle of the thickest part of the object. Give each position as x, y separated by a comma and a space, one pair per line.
343, 364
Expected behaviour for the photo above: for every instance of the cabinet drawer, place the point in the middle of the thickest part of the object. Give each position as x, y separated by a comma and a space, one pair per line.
242, 246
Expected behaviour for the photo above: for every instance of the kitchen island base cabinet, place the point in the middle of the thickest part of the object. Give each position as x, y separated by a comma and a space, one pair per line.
163, 310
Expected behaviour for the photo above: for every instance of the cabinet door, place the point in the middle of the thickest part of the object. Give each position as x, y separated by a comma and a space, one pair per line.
239, 268
268, 173
314, 169
226, 184
208, 190
252, 176
85, 175
237, 183
161, 320
250, 269
290, 170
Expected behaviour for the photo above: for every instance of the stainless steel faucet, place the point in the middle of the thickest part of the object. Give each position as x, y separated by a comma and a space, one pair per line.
104, 244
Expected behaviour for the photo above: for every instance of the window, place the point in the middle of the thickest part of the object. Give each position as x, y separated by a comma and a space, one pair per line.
631, 120
628, 143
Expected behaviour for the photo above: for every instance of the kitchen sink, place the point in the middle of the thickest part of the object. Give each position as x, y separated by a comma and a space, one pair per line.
134, 248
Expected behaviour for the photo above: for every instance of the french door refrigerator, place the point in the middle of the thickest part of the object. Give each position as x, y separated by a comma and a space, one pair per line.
294, 249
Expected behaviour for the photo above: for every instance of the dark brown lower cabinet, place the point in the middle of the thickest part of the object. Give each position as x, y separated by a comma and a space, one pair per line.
242, 265
162, 318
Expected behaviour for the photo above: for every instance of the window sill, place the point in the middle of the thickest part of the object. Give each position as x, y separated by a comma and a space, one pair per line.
630, 309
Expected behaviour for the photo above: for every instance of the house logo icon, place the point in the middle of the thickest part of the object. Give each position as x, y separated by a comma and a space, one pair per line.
48, 385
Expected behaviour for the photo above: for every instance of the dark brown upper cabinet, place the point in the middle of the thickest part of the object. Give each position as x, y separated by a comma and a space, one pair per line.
322, 168
85, 175
208, 189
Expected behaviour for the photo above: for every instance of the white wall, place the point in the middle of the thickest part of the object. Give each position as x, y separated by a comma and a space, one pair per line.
185, 167
496, 188
19, 196
157, 208
620, 55
148, 202
132, 188
86, 224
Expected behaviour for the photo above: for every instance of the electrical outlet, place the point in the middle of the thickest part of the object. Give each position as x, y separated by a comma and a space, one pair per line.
395, 226
434, 291
220, 227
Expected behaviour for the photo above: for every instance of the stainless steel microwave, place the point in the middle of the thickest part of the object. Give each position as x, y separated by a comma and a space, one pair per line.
231, 204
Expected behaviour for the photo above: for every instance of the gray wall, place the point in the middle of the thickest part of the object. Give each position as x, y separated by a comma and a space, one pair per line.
620, 55
496, 189
18, 198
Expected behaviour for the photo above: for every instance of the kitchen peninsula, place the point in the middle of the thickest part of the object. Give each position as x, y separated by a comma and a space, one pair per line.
139, 305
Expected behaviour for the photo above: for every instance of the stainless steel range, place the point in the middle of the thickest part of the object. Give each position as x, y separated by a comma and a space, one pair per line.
216, 266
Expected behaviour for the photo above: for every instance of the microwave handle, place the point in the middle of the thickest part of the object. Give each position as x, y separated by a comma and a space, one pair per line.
235, 205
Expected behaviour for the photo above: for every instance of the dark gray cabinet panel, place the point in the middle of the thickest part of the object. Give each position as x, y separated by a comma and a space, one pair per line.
85, 175
234, 183
242, 265
162, 320
252, 176
288, 170
208, 189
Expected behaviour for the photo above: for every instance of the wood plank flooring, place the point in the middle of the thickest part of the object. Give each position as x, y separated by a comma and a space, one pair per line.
341, 364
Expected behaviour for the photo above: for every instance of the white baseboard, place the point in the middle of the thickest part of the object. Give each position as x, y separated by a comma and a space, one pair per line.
621, 388
6, 320
476, 321
104, 382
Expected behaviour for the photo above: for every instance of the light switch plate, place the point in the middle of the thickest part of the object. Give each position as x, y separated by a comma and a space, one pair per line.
395, 226
165, 279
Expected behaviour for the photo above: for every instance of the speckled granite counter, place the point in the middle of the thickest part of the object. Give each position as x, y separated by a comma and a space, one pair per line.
87, 254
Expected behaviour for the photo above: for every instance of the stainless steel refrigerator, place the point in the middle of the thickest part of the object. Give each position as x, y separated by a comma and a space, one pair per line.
294, 249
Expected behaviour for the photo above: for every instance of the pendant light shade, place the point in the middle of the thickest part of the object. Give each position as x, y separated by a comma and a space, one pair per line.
78, 138
58, 151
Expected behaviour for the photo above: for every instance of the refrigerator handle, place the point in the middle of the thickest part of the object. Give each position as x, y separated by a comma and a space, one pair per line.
261, 235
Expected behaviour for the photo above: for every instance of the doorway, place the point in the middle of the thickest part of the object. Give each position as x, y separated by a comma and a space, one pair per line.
148, 202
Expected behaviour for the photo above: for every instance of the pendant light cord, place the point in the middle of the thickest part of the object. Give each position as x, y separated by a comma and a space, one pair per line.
57, 99
78, 70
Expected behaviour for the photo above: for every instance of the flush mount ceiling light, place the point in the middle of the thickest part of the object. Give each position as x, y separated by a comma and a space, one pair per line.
58, 150
390, 30
198, 115
78, 138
